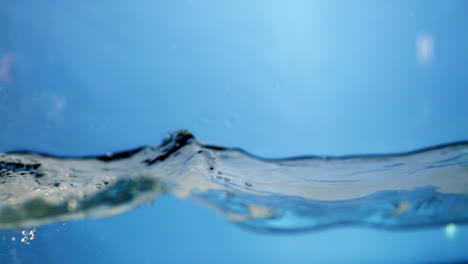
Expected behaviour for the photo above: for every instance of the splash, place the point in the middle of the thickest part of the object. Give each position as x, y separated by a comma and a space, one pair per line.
410, 190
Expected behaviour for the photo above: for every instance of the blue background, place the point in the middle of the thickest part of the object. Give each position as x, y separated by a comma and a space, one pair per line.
277, 78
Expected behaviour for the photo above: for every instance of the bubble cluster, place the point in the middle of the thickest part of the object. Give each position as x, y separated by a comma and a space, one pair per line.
28, 236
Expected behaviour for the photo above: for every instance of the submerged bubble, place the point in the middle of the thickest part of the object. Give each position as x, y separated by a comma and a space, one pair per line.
28, 236
410, 190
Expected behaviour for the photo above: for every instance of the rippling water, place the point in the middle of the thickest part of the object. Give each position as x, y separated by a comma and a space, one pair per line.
410, 190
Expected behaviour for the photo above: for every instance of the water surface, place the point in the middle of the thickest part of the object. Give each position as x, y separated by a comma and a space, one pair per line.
409, 190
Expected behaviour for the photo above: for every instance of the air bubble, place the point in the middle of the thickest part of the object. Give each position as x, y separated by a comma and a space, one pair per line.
28, 236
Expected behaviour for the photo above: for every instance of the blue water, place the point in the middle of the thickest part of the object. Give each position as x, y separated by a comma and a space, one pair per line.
410, 190
278, 79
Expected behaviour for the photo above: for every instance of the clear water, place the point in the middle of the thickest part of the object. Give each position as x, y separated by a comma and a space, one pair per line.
412, 190
279, 79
